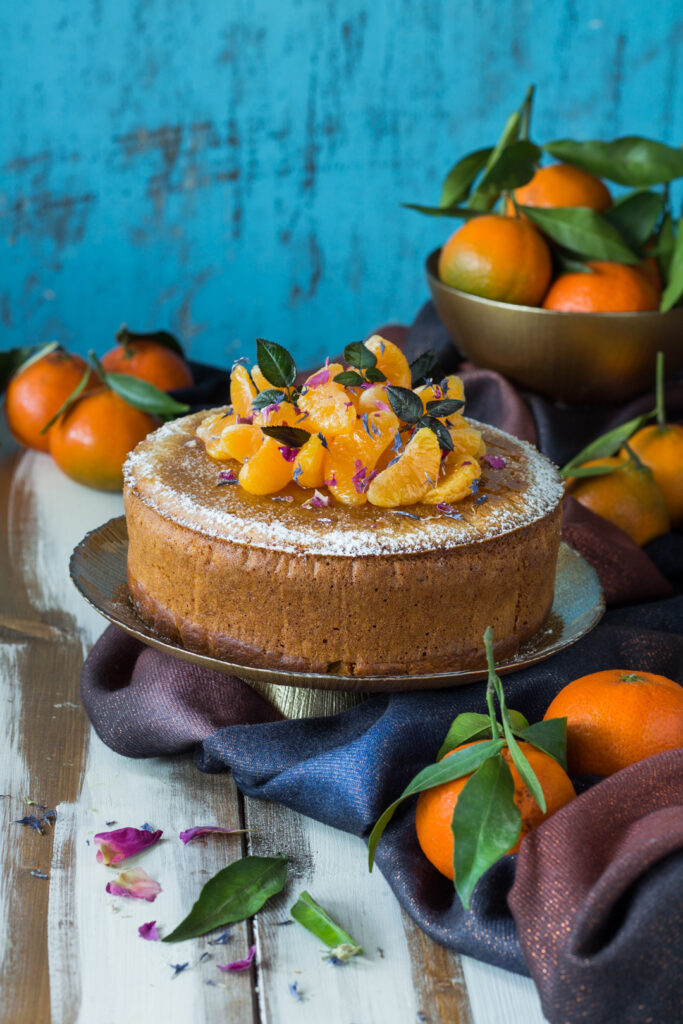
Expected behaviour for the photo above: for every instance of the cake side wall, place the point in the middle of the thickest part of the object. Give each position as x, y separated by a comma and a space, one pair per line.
368, 615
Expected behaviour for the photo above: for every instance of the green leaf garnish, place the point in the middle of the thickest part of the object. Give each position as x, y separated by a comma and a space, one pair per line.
583, 231
442, 434
144, 396
631, 160
425, 368
236, 892
460, 178
674, 288
275, 363
375, 375
318, 922
268, 397
359, 356
349, 378
290, 437
635, 216
405, 403
16, 359
462, 762
124, 336
68, 402
550, 736
486, 823
605, 445
444, 406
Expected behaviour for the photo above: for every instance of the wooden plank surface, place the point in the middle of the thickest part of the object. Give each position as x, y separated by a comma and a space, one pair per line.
72, 953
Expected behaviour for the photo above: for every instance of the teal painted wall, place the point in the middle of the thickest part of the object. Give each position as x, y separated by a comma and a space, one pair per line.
232, 169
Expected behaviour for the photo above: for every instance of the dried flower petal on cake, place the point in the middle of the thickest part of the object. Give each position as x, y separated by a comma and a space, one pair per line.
123, 843
318, 500
135, 883
203, 830
239, 965
495, 461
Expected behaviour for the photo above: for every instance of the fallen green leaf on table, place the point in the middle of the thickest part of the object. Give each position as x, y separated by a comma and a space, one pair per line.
318, 922
236, 892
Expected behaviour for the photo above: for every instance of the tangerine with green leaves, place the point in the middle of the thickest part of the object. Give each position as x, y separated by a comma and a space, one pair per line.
560, 185
660, 448
495, 257
608, 288
151, 361
36, 393
91, 440
617, 717
435, 806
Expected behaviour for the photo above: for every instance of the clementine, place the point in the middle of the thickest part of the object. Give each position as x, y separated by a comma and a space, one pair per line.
617, 717
563, 185
609, 288
435, 806
502, 258
660, 448
91, 440
149, 360
37, 392
628, 497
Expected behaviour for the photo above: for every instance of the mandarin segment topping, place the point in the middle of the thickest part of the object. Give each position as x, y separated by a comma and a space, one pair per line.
416, 470
268, 470
390, 361
242, 390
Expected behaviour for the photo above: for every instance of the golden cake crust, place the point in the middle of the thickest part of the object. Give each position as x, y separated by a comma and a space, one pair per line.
350, 591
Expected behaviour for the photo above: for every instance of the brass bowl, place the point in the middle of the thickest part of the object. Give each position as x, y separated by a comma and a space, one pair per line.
570, 357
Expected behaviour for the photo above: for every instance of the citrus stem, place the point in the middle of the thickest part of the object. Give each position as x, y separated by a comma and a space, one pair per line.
490, 686
634, 460
659, 391
631, 677
123, 338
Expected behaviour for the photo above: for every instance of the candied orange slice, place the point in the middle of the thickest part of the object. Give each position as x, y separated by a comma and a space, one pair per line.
450, 387
309, 464
242, 390
411, 476
268, 470
212, 425
330, 409
467, 441
237, 441
390, 360
457, 483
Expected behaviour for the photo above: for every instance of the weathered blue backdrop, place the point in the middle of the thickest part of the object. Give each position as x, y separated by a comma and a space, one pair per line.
228, 169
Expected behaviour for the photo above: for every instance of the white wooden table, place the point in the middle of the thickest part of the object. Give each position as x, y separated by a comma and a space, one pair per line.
70, 952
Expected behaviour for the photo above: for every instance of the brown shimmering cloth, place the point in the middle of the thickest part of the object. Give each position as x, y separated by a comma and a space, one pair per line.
598, 899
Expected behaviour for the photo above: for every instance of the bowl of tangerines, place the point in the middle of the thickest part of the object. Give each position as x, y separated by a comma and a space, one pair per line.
565, 284
89, 414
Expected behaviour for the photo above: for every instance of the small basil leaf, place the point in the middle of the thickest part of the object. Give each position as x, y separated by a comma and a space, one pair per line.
275, 363
359, 356
674, 288
68, 402
318, 922
443, 436
425, 367
290, 437
463, 729
16, 359
631, 160
462, 762
349, 378
236, 892
583, 231
165, 338
607, 444
143, 395
405, 403
444, 406
268, 397
459, 179
486, 823
374, 375
635, 216
550, 736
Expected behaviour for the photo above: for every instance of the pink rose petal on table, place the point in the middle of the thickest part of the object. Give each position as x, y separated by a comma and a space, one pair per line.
149, 931
123, 843
136, 883
201, 830
239, 965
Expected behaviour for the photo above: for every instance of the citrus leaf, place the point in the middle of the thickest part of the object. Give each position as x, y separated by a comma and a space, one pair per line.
631, 160
318, 922
517, 721
482, 200
359, 356
405, 403
16, 359
459, 212
442, 433
549, 736
666, 243
515, 166
291, 437
350, 378
607, 444
674, 288
275, 363
486, 823
271, 396
444, 406
582, 471
466, 728
78, 390
424, 368
236, 892
125, 336
462, 762
568, 265
374, 375
143, 395
583, 231
635, 216
459, 179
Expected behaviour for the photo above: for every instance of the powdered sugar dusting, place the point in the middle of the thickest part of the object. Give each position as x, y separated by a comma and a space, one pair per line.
178, 481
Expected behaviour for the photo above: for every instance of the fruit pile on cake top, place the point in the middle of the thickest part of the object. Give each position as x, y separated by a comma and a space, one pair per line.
352, 435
